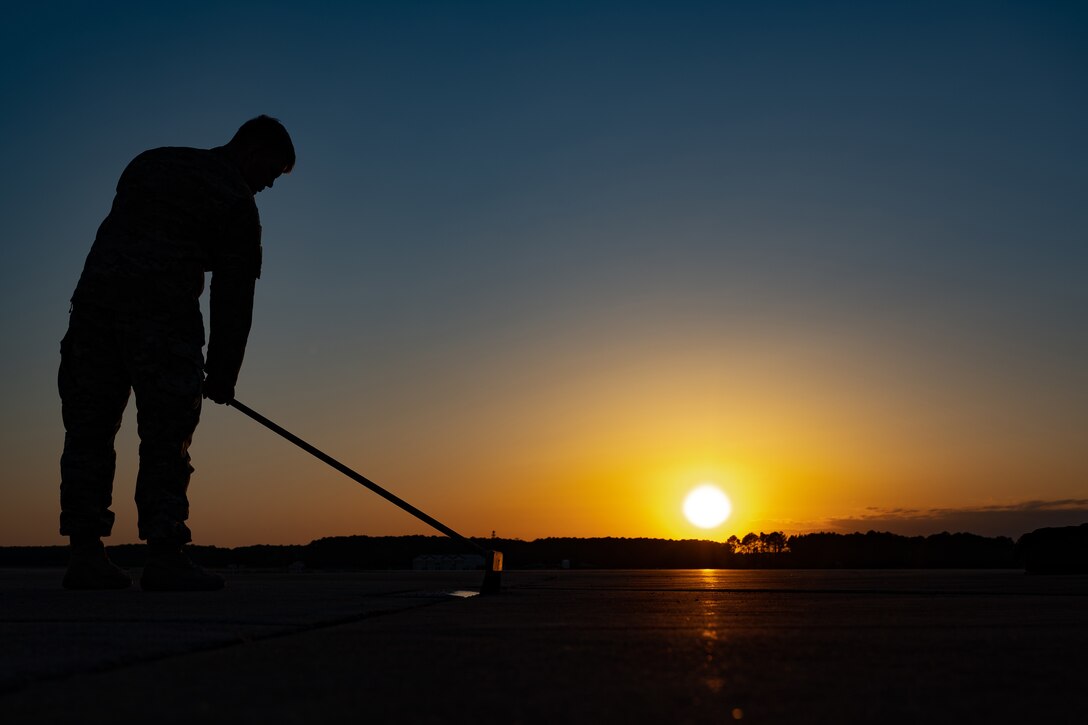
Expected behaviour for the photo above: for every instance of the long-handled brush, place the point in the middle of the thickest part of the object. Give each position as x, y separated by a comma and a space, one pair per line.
492, 559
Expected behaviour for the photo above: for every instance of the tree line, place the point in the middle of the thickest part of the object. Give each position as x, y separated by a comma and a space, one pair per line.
752, 551
775, 550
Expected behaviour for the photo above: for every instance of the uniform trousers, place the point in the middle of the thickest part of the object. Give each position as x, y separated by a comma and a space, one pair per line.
106, 355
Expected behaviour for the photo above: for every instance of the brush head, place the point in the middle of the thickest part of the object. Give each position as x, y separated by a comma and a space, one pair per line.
492, 583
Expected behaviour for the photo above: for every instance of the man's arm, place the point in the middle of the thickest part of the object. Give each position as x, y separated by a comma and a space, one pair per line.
231, 307
236, 265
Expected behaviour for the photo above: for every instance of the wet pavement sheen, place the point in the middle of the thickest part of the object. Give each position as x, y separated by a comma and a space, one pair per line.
555, 647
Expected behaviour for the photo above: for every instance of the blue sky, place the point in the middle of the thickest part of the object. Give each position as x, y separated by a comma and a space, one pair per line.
508, 219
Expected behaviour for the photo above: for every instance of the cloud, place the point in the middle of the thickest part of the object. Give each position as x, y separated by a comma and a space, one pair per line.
1012, 520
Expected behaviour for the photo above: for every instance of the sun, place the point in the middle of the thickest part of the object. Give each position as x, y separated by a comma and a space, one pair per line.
707, 506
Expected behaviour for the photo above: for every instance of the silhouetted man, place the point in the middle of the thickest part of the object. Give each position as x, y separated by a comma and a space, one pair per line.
135, 324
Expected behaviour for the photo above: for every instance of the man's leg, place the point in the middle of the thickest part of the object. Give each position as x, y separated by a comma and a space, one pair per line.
167, 378
94, 390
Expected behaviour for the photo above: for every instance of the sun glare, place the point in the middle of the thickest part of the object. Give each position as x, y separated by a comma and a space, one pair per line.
707, 506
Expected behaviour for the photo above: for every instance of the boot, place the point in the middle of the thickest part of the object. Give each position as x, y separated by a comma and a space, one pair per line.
90, 568
169, 569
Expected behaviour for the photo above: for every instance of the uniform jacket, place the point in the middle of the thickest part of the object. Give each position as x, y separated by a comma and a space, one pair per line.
178, 213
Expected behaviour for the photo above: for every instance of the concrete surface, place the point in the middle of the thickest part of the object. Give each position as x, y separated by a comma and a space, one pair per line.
554, 647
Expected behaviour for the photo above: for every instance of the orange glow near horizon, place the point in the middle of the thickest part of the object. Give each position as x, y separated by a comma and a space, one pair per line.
585, 440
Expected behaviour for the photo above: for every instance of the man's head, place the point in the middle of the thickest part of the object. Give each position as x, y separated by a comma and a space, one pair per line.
263, 150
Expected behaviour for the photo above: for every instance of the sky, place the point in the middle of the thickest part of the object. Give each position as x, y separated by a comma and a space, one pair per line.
542, 268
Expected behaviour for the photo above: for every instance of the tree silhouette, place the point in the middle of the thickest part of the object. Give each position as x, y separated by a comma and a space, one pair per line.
774, 542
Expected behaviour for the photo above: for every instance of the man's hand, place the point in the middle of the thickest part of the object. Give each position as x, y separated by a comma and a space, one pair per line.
218, 391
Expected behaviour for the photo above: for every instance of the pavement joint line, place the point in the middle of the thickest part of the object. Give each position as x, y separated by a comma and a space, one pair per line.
153, 621
239, 638
801, 590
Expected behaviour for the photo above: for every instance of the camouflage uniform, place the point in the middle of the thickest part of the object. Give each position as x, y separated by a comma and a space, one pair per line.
136, 325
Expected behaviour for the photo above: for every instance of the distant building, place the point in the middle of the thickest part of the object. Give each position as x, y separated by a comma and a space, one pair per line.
447, 562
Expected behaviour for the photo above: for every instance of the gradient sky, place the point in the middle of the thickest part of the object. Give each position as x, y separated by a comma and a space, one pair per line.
543, 267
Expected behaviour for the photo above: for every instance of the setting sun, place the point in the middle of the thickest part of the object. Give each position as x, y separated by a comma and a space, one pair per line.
707, 506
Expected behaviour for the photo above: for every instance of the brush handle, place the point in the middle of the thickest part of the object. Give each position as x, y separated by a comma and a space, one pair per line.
364, 481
